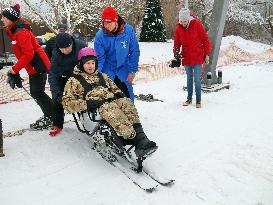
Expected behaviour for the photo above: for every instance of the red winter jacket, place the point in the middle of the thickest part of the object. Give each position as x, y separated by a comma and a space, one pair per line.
26, 48
194, 41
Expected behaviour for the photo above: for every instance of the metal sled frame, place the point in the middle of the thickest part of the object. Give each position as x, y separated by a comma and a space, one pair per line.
103, 128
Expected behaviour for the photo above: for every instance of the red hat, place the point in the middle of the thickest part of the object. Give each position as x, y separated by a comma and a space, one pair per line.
109, 14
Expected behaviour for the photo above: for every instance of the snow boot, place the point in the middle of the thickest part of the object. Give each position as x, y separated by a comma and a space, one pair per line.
54, 131
198, 104
143, 146
187, 102
42, 123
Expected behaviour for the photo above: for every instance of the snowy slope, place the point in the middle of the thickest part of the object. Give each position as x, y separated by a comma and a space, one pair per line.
219, 155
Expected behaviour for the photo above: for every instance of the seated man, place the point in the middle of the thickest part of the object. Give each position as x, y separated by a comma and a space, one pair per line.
89, 89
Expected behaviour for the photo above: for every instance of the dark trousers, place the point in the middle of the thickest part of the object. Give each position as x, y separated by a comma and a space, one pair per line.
57, 114
122, 86
37, 91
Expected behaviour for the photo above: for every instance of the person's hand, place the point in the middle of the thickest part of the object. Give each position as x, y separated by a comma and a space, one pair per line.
10, 80
175, 63
119, 95
14, 79
131, 77
95, 104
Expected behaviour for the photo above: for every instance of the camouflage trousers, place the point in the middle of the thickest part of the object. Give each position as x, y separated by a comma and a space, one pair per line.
121, 114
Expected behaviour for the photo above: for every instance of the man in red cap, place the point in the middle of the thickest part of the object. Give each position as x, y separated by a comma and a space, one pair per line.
117, 50
32, 57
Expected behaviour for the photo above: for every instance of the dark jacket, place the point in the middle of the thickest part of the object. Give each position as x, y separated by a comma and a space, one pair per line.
50, 45
26, 48
62, 67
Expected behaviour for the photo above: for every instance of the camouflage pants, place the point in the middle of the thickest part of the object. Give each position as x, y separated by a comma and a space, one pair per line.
121, 114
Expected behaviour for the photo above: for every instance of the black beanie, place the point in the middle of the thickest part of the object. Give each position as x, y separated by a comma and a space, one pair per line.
85, 59
63, 40
12, 13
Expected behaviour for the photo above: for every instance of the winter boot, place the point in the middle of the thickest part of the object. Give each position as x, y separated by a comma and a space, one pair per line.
188, 102
54, 131
42, 123
143, 146
198, 104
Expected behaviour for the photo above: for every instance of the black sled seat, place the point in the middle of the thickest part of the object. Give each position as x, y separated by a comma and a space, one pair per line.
101, 132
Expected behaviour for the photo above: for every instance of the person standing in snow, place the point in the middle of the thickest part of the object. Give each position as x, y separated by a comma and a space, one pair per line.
191, 44
117, 49
31, 56
89, 89
63, 61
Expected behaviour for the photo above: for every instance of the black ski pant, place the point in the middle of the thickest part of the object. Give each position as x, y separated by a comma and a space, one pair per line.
122, 86
37, 91
57, 114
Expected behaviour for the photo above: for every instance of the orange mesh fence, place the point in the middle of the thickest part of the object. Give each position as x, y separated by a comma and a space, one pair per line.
147, 72
8, 95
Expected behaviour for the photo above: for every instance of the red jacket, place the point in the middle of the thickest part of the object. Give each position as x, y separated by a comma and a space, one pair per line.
194, 41
26, 48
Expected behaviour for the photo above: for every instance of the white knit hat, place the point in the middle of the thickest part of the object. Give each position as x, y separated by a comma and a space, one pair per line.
184, 14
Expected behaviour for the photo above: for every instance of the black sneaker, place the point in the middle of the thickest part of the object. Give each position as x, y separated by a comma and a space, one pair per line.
41, 124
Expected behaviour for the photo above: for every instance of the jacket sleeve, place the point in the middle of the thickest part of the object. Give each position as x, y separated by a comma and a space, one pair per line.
112, 86
177, 43
99, 48
72, 100
53, 77
24, 43
205, 39
133, 52
49, 47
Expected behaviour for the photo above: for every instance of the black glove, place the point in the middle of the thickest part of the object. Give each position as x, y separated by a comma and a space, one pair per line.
14, 79
95, 104
175, 63
119, 95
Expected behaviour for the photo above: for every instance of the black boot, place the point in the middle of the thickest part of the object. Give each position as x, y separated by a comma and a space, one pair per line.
143, 146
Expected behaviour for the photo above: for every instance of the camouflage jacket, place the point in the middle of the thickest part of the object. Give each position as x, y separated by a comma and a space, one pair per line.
73, 99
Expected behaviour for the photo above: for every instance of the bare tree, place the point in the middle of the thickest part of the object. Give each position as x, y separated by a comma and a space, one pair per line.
75, 13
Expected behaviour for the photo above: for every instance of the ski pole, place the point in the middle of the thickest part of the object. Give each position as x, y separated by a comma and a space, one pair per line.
1, 140
29, 94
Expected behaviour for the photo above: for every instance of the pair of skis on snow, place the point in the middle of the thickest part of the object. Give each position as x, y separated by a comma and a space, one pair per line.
145, 179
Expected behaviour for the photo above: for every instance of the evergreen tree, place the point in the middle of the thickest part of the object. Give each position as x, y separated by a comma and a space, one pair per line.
153, 29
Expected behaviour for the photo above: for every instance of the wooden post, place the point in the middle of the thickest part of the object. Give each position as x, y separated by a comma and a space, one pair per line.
1, 140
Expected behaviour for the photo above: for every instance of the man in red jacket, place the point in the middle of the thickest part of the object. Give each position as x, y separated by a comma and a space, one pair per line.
191, 44
32, 57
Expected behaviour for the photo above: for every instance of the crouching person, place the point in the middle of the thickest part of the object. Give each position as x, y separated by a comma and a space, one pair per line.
90, 90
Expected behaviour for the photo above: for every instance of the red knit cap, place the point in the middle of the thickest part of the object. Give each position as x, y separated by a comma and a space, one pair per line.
109, 14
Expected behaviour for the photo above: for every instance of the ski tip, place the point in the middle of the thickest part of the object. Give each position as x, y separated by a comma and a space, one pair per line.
169, 183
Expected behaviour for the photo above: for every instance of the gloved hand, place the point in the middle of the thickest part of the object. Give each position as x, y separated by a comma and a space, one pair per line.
14, 79
206, 59
119, 95
95, 104
175, 63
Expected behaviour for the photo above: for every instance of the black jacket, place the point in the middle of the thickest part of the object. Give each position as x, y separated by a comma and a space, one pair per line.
62, 67
50, 45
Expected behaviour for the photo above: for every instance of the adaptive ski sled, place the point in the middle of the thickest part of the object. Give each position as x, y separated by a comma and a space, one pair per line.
118, 152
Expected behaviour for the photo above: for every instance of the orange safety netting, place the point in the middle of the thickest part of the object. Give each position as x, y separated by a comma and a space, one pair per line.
147, 72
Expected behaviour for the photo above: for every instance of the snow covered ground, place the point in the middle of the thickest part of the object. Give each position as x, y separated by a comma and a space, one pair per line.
220, 154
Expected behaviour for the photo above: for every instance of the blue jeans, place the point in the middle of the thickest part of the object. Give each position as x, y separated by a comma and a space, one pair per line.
194, 71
